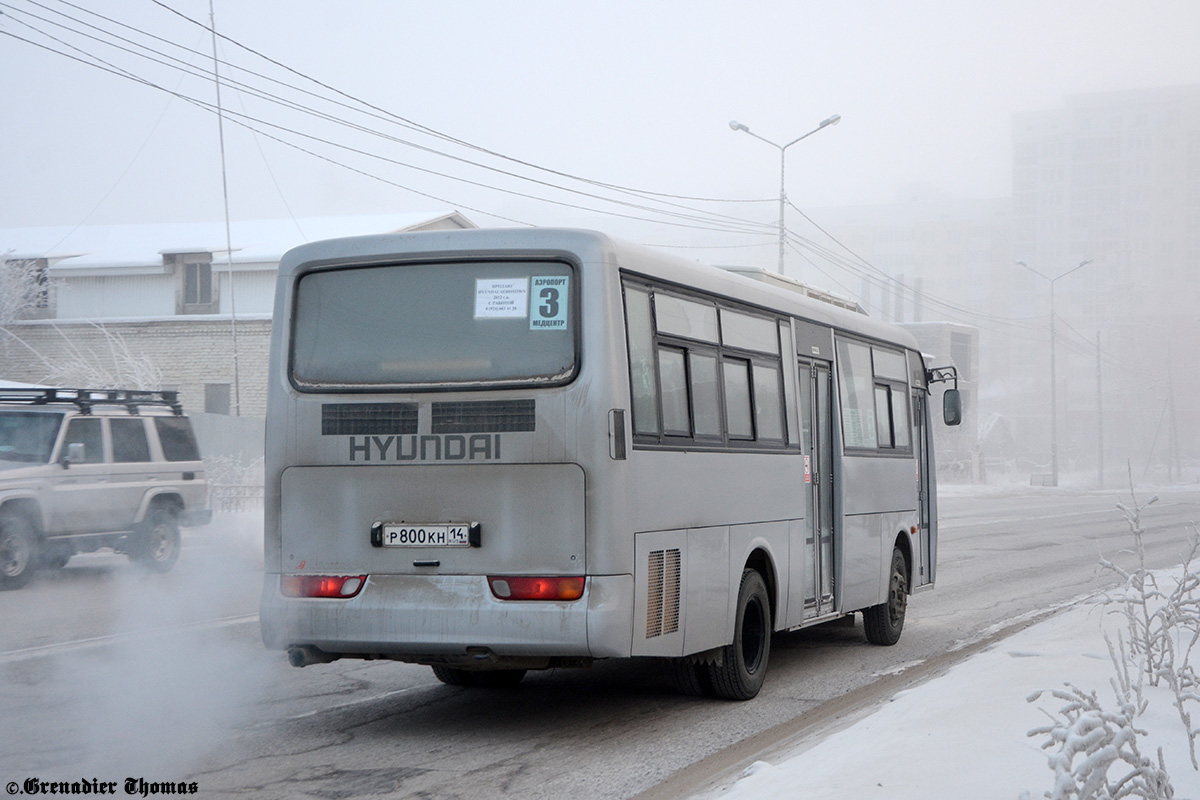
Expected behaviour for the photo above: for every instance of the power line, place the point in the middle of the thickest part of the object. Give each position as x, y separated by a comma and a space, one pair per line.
116, 71
682, 216
453, 139
712, 223
716, 222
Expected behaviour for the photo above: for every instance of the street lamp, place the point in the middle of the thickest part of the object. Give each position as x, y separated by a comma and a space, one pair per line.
737, 126
1053, 376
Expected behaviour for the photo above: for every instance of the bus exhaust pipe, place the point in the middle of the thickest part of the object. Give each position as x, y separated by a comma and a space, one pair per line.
307, 654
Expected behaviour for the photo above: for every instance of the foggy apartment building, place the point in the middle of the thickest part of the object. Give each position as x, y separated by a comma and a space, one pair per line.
919, 251
1114, 178
930, 261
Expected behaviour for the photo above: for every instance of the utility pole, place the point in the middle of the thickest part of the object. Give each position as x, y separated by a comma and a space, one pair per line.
237, 384
1099, 419
1174, 469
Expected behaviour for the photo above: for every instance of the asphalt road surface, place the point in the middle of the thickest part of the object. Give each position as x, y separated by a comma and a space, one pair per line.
108, 673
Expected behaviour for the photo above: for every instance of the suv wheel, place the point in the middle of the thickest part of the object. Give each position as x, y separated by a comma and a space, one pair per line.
18, 551
157, 545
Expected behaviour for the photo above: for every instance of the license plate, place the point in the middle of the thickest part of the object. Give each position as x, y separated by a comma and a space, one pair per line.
416, 535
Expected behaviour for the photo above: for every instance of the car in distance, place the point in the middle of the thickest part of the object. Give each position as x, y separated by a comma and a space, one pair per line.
84, 469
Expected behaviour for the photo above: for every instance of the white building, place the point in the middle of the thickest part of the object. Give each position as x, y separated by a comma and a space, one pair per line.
159, 297
138, 271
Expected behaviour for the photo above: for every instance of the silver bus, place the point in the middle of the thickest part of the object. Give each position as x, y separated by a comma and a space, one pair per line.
493, 451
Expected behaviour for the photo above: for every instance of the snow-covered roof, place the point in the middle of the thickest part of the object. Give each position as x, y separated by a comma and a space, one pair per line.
253, 241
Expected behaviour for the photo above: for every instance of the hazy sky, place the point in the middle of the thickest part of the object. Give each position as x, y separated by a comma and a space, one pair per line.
634, 93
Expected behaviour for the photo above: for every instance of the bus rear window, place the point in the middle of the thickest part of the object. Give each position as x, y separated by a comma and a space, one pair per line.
427, 326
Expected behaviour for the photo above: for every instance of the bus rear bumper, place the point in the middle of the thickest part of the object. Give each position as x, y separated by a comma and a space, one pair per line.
451, 618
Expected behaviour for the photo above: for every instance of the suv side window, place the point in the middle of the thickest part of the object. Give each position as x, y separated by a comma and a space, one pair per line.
86, 431
178, 443
129, 440
28, 436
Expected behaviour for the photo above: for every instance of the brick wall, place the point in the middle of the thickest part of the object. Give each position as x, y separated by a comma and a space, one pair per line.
188, 352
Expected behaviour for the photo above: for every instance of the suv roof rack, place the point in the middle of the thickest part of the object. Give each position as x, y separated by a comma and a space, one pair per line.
84, 399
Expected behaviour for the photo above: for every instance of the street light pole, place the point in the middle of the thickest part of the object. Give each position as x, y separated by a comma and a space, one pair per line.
1053, 370
737, 126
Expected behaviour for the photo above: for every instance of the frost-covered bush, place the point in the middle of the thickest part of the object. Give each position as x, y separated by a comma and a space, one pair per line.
1163, 623
23, 285
111, 364
234, 483
1089, 743
234, 471
1094, 750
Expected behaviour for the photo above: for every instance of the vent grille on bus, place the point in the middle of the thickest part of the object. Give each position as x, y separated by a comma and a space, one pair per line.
357, 419
484, 416
662, 593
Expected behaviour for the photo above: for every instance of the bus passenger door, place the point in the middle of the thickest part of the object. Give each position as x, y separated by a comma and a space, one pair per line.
817, 420
924, 571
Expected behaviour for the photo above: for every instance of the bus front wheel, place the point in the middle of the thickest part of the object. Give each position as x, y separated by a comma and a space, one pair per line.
743, 665
884, 623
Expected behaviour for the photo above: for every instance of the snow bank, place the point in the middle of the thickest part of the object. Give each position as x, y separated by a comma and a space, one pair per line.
965, 734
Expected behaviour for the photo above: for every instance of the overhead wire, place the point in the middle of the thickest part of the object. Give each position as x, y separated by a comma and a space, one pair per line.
1083, 345
120, 73
911, 292
950, 312
270, 172
120, 178
724, 223
247, 119
447, 137
687, 218
927, 299
385, 115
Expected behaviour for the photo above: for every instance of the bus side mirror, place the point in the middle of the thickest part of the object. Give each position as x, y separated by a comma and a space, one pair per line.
952, 407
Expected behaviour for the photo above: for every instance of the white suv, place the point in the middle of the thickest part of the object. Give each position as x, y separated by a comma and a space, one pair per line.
83, 469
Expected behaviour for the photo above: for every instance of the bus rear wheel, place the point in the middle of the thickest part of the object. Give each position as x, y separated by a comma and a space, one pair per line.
743, 665
488, 679
884, 623
689, 677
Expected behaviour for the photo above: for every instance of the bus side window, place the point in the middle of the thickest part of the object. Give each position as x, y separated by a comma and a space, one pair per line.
858, 406
768, 403
737, 399
901, 423
883, 417
703, 372
642, 377
891, 416
674, 392
706, 402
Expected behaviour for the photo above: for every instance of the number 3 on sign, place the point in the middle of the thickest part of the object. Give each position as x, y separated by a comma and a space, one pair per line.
550, 311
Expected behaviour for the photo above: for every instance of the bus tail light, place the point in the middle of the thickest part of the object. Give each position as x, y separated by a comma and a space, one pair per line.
525, 588
339, 586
